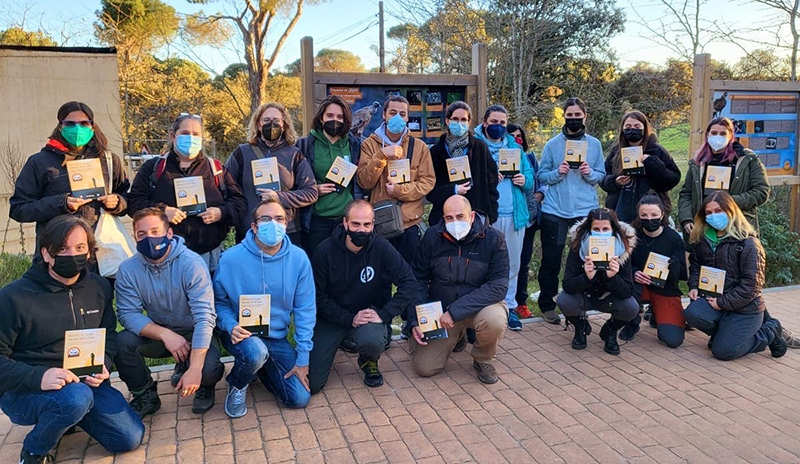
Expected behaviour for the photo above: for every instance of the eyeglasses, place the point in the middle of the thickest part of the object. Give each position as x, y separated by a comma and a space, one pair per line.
264, 219
83, 123
266, 121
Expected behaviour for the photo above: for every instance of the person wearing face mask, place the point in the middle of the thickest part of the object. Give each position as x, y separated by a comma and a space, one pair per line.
587, 288
55, 295
42, 191
463, 263
354, 271
737, 321
165, 303
154, 186
661, 174
266, 263
270, 134
481, 190
330, 138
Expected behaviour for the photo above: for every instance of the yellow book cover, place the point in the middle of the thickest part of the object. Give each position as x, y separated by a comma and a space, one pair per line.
428, 315
341, 173
717, 178
509, 164
711, 282
399, 170
601, 250
86, 178
265, 174
575, 152
254, 313
190, 196
458, 169
632, 163
657, 267
84, 351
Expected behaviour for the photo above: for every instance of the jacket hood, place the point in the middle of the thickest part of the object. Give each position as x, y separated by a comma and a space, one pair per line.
627, 230
339, 235
177, 247
479, 226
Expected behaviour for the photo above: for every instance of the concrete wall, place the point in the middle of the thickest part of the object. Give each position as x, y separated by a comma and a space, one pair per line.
33, 85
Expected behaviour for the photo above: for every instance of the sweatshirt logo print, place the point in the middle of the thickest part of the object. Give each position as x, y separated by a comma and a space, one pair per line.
367, 274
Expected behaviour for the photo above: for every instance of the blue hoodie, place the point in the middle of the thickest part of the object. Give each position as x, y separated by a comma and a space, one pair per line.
570, 195
287, 277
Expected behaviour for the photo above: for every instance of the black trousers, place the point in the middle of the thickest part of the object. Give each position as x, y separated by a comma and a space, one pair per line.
524, 264
554, 237
320, 229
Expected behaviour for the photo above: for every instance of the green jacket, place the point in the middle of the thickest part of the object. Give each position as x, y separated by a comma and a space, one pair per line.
749, 188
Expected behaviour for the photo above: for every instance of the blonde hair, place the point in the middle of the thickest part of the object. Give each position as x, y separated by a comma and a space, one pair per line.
738, 226
253, 134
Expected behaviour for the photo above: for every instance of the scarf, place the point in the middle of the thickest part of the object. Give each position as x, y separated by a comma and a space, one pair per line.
577, 136
711, 236
456, 145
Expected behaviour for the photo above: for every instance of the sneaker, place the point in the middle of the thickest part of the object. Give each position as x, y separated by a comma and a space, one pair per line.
523, 312
486, 372
405, 332
778, 346
27, 458
235, 402
372, 376
513, 321
147, 402
180, 369
791, 340
203, 399
551, 316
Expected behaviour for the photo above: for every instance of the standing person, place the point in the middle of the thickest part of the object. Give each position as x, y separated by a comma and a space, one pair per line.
661, 174
330, 138
392, 141
513, 215
35, 312
270, 134
481, 190
534, 198
154, 186
571, 194
42, 191
736, 321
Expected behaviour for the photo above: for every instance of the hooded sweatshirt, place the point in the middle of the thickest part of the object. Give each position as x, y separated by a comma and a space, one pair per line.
348, 282
570, 195
286, 277
35, 311
176, 293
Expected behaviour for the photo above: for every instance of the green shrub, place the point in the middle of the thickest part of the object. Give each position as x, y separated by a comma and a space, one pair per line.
12, 267
782, 246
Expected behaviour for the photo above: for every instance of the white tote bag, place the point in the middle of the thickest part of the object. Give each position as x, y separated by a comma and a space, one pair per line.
114, 244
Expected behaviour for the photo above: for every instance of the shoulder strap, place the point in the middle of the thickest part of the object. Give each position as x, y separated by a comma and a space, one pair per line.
257, 151
158, 171
110, 165
410, 148
218, 173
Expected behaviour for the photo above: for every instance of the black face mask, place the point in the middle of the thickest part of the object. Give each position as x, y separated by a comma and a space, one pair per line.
633, 135
574, 124
69, 266
359, 239
272, 132
333, 128
650, 225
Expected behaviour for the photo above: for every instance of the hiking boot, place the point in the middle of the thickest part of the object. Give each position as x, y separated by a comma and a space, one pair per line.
551, 317
27, 458
608, 333
235, 405
203, 399
486, 372
460, 344
372, 376
791, 340
513, 321
180, 369
523, 312
631, 328
146, 402
778, 346
582, 329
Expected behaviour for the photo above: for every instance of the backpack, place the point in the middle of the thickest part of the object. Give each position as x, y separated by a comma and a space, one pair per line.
216, 170
388, 216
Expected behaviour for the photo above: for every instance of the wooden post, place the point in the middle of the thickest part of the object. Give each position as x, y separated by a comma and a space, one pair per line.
480, 67
307, 81
701, 101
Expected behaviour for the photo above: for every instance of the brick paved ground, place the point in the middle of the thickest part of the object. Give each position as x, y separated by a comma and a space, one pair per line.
552, 405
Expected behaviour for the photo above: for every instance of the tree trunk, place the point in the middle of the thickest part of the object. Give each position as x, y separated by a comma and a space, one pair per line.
795, 38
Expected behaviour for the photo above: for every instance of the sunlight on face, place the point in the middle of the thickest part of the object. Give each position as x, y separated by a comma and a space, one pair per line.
713, 207
601, 226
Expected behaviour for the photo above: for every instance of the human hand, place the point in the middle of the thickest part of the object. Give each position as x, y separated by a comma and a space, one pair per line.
325, 189
57, 378
623, 180
239, 334
210, 215
95, 380
713, 303
613, 267
268, 194
110, 201
693, 294
688, 227
589, 268
462, 189
641, 278
585, 169
73, 203
392, 152
175, 215
176, 345
390, 187
302, 373
418, 336
190, 381
446, 321
518, 180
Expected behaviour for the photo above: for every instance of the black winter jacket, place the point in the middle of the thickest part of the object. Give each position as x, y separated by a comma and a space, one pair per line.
669, 244
347, 282
744, 263
466, 275
483, 195
35, 311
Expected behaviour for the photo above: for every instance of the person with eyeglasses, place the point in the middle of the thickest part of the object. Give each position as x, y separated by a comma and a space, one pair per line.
42, 191
154, 186
271, 135
266, 266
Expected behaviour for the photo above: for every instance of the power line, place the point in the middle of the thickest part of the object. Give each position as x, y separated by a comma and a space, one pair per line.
374, 23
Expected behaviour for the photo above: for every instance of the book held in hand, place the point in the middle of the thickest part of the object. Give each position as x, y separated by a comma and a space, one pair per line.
84, 351
399, 170
265, 174
711, 282
718, 178
254, 313
509, 161
190, 196
575, 153
632, 163
428, 316
458, 170
86, 178
341, 173
657, 267
601, 250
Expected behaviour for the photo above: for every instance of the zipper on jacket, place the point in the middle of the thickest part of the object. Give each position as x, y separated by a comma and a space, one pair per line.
83, 317
72, 306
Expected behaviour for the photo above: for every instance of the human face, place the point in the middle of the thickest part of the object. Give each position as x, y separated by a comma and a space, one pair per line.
394, 108
632, 123
361, 219
574, 112
333, 112
719, 129
603, 226
457, 212
272, 114
459, 115
713, 207
77, 117
151, 226
497, 117
77, 243
516, 134
189, 126
267, 213
650, 212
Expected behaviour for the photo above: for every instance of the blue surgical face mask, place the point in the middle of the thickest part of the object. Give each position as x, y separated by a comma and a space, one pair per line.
596, 233
718, 221
153, 247
396, 124
495, 131
188, 145
271, 233
458, 129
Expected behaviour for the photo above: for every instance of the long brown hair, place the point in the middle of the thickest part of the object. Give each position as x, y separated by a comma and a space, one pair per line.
738, 226
98, 143
347, 114
289, 133
622, 143
599, 214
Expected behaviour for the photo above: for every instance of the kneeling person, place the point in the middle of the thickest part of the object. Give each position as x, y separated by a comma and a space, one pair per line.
357, 302
165, 302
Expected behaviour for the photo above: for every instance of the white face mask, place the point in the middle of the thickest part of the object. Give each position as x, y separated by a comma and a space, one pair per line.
717, 142
458, 229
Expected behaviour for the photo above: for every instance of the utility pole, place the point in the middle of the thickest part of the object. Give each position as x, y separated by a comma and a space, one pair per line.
383, 50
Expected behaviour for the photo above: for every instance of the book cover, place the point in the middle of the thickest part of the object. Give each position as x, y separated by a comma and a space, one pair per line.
509, 161
458, 170
265, 174
86, 178
711, 282
428, 315
190, 196
601, 250
575, 152
254, 313
399, 170
657, 267
632, 163
341, 173
84, 351
717, 178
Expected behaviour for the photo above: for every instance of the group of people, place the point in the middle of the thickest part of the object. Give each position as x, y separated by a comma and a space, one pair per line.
337, 260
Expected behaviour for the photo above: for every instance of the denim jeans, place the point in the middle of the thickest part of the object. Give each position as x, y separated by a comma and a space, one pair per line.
102, 412
735, 334
269, 359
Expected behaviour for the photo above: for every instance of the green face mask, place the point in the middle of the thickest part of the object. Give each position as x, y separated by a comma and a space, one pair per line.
77, 135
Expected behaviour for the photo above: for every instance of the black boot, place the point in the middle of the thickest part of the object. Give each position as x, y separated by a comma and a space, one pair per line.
609, 335
629, 331
146, 402
582, 329
778, 346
